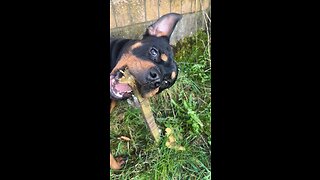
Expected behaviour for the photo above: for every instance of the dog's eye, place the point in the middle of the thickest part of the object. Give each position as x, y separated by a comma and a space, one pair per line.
166, 83
154, 52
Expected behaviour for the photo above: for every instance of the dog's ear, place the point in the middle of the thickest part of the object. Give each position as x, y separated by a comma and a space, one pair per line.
164, 26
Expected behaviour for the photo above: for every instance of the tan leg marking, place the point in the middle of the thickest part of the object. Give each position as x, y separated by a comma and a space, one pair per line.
114, 164
113, 104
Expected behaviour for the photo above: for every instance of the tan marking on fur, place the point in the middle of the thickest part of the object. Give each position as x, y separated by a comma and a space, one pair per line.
113, 104
173, 75
164, 57
151, 93
133, 63
136, 45
113, 163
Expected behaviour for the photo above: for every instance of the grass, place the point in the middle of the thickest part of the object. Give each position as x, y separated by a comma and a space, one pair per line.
185, 108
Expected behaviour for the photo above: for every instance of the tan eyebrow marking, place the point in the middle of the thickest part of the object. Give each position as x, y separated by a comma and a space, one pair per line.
136, 45
173, 75
164, 57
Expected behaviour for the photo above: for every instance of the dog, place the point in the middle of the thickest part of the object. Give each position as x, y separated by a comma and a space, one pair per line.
149, 60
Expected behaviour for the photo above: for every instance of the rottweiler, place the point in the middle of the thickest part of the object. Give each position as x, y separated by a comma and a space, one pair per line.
149, 60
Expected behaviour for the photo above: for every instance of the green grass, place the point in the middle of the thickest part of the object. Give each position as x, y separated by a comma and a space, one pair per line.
185, 108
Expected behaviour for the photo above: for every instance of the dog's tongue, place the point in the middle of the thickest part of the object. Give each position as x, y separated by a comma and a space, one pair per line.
123, 87
119, 87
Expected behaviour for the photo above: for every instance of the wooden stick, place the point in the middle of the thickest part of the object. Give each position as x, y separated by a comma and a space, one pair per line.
144, 104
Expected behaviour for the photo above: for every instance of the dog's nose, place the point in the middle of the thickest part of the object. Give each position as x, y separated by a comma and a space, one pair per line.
154, 78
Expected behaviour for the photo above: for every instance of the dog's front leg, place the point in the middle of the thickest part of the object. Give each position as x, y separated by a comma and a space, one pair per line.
114, 164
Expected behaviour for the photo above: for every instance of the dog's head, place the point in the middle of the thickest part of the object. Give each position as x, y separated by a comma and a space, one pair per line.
149, 60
